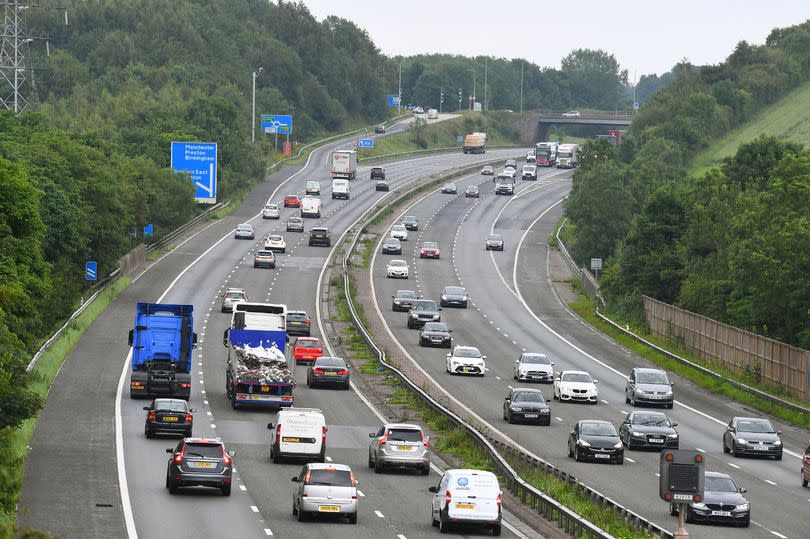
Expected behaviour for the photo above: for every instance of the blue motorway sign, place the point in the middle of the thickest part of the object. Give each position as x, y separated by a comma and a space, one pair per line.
635, 105
199, 159
459, 138
366, 143
91, 270
393, 100
277, 124
147, 230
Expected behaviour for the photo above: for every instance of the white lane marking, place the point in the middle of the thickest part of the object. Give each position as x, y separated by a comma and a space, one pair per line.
379, 514
497, 377
329, 459
629, 460
208, 413
268, 531
360, 493
700, 450
254, 508
778, 534
657, 474
606, 402
400, 536
213, 426
242, 487
733, 465
129, 519
769, 482
558, 418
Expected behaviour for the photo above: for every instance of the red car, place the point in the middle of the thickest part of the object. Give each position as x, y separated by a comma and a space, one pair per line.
430, 249
488, 171
307, 349
292, 201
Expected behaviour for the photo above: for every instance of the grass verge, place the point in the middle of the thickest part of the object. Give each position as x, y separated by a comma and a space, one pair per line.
14, 443
584, 307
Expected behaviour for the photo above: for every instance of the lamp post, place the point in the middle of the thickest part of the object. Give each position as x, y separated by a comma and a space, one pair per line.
253, 113
472, 103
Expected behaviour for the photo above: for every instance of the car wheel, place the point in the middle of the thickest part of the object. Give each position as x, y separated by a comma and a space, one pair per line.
577, 454
632, 399
275, 457
688, 517
148, 433
629, 442
496, 530
302, 516
509, 417
804, 482
353, 518
620, 460
226, 490
778, 457
734, 450
725, 447
370, 462
172, 487
378, 468
504, 415
425, 470
444, 526
433, 521
670, 405
187, 433
626, 398
673, 510
746, 523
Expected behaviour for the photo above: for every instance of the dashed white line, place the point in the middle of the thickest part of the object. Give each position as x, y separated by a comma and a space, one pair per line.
733, 465
360, 493
242, 487
379, 514
700, 450
629, 460
268, 531
769, 482
606, 402
254, 508
558, 418
329, 459
778, 534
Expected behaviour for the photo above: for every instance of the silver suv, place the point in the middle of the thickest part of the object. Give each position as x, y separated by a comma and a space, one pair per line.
231, 297
325, 488
399, 445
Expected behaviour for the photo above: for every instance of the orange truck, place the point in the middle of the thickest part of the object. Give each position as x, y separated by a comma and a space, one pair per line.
475, 143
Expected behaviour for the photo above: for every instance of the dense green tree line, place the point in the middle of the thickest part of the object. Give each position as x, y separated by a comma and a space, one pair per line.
730, 244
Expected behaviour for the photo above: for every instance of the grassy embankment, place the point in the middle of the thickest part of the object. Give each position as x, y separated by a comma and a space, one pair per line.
14, 446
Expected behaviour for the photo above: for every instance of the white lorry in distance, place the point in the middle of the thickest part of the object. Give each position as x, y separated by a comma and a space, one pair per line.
567, 155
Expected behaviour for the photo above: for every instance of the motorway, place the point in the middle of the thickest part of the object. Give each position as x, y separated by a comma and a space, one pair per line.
514, 308
197, 272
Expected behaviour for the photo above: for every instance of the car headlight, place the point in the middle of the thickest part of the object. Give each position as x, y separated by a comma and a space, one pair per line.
583, 443
545, 410
669, 393
397, 302
744, 507
778, 442
741, 441
444, 297
637, 433
414, 315
617, 445
699, 505
672, 435
517, 409
640, 392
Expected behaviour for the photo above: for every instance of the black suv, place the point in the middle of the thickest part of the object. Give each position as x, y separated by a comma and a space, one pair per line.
422, 311
435, 334
377, 173
319, 235
200, 462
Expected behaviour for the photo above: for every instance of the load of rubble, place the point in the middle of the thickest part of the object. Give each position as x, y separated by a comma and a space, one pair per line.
261, 365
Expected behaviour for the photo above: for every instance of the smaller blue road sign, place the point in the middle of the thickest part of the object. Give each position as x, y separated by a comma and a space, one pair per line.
366, 143
276, 124
459, 138
147, 230
91, 270
393, 100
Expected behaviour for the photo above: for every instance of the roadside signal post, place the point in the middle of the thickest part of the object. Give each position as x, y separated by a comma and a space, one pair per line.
681, 482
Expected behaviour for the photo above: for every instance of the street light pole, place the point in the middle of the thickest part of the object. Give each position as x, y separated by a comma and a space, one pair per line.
521, 87
253, 113
472, 103
486, 67
399, 87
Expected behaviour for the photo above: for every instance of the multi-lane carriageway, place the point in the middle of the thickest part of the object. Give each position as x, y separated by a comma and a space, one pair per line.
72, 476
514, 307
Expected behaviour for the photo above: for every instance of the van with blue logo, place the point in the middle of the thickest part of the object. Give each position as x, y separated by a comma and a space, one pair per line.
467, 497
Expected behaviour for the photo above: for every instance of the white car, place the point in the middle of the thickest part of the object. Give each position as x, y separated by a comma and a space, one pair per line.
244, 232
467, 497
313, 187
399, 232
533, 367
397, 269
508, 172
270, 211
466, 360
433, 114
275, 242
571, 114
575, 386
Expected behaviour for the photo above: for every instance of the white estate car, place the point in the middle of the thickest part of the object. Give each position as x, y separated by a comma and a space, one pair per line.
399, 232
275, 242
397, 268
466, 360
270, 211
575, 386
534, 367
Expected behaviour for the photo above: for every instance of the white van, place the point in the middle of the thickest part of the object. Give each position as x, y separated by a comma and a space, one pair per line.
313, 187
270, 211
311, 207
467, 497
433, 114
340, 189
298, 433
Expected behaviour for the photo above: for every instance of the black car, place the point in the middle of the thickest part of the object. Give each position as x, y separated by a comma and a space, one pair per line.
524, 404
168, 416
723, 502
298, 323
200, 462
391, 246
378, 173
455, 296
410, 222
494, 242
594, 439
381, 185
295, 224
435, 334
401, 301
319, 235
510, 163
641, 429
327, 371
648, 386
752, 436
472, 191
449, 189
423, 311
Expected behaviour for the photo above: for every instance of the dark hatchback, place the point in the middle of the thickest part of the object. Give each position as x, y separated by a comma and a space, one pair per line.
391, 246
752, 436
401, 301
377, 173
435, 334
319, 235
423, 311
648, 386
723, 502
529, 405
494, 242
454, 296
651, 430
472, 191
410, 222
298, 323
328, 371
593, 439
200, 462
168, 416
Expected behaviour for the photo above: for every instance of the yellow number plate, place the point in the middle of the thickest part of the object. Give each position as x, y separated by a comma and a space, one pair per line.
202, 464
288, 439
170, 418
406, 447
329, 508
465, 506
265, 388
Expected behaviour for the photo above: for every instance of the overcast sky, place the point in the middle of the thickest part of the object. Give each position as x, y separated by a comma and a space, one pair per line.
646, 36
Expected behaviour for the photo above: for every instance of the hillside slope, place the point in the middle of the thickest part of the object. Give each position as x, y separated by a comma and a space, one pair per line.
788, 118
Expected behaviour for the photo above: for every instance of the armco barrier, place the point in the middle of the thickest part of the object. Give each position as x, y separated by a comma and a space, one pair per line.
552, 510
183, 228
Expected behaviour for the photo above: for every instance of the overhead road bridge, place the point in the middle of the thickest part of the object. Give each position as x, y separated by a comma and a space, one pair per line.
535, 126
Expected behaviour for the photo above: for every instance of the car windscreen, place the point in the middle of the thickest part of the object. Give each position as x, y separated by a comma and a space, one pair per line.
426, 305
495, 237
435, 326
755, 426
430, 245
597, 429
391, 241
265, 253
274, 237
656, 419
377, 169
307, 344
235, 295
467, 352
528, 396
719, 484
296, 316
577, 377
330, 477
398, 263
330, 362
398, 228
171, 406
405, 435
406, 294
652, 377
454, 291
208, 451
535, 359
